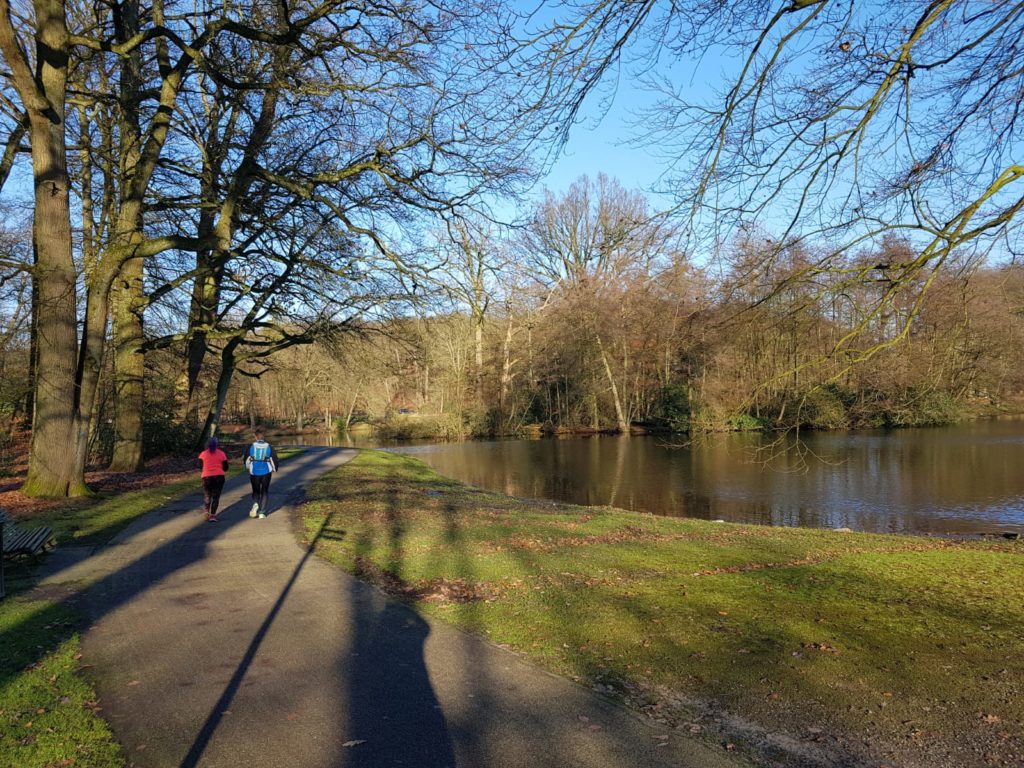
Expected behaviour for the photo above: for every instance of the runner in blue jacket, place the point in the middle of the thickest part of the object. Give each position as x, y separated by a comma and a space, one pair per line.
261, 461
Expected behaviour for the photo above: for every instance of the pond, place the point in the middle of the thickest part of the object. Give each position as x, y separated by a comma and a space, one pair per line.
962, 479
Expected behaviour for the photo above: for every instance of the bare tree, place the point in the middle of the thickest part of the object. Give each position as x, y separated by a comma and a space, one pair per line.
593, 249
470, 264
37, 54
840, 123
401, 111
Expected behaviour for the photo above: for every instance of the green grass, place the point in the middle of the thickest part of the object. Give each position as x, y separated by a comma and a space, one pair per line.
47, 710
913, 645
96, 520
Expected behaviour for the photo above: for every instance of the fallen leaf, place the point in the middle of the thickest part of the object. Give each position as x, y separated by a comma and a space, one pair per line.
133, 682
354, 743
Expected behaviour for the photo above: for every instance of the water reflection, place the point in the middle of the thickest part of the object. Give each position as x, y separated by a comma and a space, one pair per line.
961, 479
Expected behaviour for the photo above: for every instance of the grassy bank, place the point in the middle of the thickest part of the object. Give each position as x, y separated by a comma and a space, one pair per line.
866, 648
95, 521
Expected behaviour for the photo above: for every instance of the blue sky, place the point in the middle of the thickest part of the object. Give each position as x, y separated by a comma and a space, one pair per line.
602, 146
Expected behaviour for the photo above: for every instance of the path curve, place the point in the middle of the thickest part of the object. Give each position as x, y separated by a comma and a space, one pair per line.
228, 644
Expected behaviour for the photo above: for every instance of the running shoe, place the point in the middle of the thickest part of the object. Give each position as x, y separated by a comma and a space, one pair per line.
254, 510
262, 516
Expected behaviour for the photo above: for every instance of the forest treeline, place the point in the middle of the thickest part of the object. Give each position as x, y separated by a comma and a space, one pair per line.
587, 318
324, 209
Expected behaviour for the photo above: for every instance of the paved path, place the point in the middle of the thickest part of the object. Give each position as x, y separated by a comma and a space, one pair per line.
228, 644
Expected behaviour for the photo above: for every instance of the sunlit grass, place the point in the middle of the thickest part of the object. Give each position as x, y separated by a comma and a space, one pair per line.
917, 643
97, 520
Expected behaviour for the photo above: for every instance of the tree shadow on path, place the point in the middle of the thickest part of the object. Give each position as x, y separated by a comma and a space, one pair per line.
393, 710
224, 702
127, 581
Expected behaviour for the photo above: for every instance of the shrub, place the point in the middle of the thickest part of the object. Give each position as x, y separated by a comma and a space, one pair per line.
923, 409
744, 422
672, 408
821, 408
164, 435
417, 427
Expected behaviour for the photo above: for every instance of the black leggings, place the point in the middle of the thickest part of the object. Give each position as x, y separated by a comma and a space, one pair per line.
260, 489
212, 486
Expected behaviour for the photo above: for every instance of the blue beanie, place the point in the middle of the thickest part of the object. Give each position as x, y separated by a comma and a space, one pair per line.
211, 444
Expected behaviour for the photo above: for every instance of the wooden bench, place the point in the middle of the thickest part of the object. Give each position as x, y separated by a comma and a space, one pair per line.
18, 543
22, 543
27, 542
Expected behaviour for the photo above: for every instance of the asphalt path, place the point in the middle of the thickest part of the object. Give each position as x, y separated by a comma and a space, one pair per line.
229, 644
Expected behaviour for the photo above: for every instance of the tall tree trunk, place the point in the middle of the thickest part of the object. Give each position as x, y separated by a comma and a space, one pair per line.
50, 473
129, 300
252, 403
506, 375
219, 227
620, 420
43, 93
227, 369
129, 369
478, 350
351, 410
33, 353
203, 311
90, 362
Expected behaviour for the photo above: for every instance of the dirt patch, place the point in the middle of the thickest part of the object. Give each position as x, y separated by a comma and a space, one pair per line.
56, 593
433, 590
